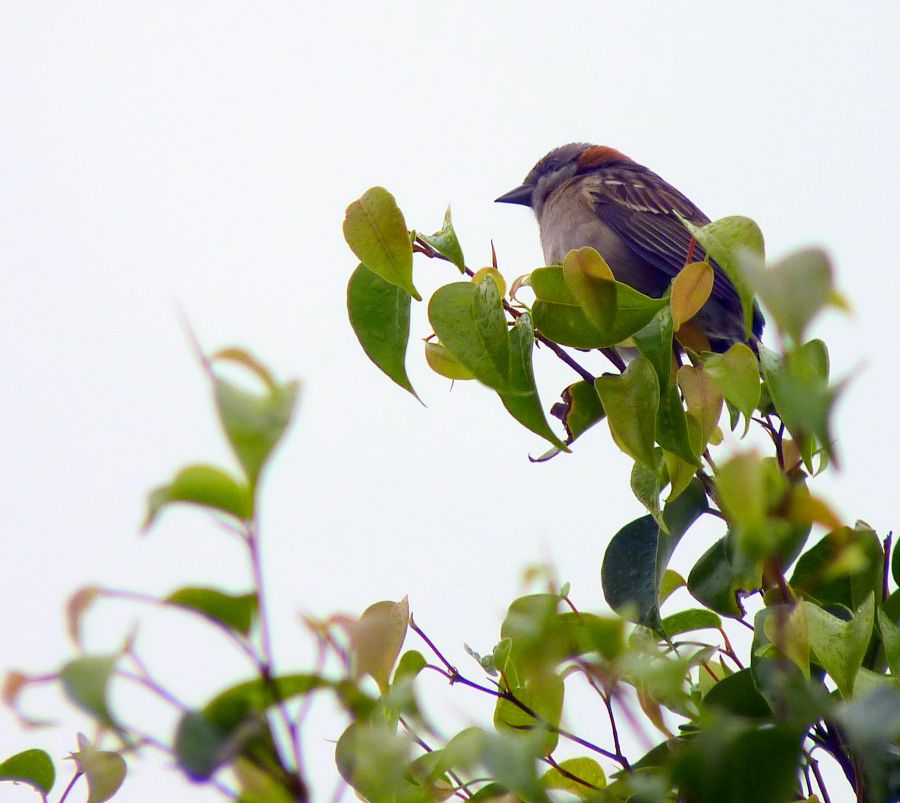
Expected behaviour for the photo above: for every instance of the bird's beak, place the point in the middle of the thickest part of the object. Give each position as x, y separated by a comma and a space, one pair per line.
520, 195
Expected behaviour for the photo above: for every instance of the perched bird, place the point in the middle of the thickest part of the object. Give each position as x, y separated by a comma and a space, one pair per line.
592, 195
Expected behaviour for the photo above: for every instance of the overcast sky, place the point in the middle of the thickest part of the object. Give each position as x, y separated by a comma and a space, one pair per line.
199, 155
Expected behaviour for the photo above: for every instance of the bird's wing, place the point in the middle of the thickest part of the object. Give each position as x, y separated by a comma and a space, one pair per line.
640, 207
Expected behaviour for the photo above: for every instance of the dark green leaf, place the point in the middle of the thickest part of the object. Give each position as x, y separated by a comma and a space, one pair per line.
471, 324
842, 569
631, 401
233, 706
379, 315
672, 427
446, 243
207, 486
85, 681
234, 611
739, 763
376, 232
33, 767
580, 409
522, 400
637, 557
719, 583
737, 695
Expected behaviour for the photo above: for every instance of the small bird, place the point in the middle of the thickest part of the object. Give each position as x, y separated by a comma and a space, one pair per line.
592, 195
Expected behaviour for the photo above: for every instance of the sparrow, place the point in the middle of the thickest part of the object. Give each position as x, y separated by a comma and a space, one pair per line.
592, 195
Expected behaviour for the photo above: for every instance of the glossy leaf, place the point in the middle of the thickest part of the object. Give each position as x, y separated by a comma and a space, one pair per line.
638, 555
379, 315
672, 429
470, 322
206, 486
736, 372
234, 611
32, 767
840, 646
691, 289
558, 315
654, 341
580, 409
522, 400
254, 423
446, 243
737, 695
631, 400
592, 284
735, 243
377, 639
720, 583
690, 620
104, 770
85, 681
844, 568
493, 274
890, 637
376, 232
442, 362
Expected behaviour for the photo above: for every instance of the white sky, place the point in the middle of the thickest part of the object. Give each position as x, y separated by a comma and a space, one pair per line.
201, 154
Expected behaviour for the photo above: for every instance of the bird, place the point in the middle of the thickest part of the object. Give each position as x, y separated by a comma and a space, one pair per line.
593, 195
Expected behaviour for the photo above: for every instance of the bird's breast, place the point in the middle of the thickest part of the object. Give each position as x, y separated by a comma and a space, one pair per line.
569, 220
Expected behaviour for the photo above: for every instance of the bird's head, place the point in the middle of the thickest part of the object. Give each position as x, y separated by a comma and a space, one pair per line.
556, 168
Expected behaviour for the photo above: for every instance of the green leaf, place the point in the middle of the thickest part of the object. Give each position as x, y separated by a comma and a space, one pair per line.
647, 486
671, 582
592, 284
232, 707
442, 362
580, 409
259, 785
254, 423
379, 315
377, 638
795, 289
511, 759
738, 762
719, 583
202, 485
690, 620
737, 695
872, 726
104, 770
558, 316
654, 341
374, 760
543, 696
840, 646
446, 243
33, 767
842, 569
589, 772
470, 322
890, 637
522, 400
631, 401
672, 431
736, 372
234, 611
376, 232
736, 244
85, 681
637, 557
798, 386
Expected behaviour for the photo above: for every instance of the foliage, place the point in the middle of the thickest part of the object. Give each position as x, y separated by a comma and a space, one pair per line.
818, 680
